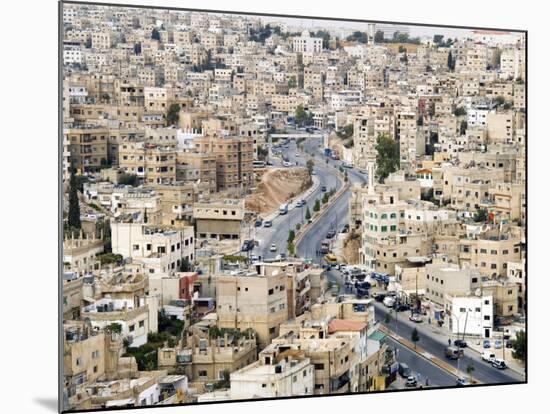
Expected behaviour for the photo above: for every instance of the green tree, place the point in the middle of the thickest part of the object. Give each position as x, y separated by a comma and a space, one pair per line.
402, 49
173, 114
300, 114
481, 215
292, 82
415, 337
114, 327
74, 205
379, 37
155, 35
463, 127
387, 319
291, 236
310, 164
317, 205
346, 132
387, 156
438, 39
499, 100
291, 248
450, 61
308, 214
185, 265
519, 346
325, 198
460, 111
346, 176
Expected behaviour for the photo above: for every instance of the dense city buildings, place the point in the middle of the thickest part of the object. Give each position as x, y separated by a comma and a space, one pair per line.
258, 207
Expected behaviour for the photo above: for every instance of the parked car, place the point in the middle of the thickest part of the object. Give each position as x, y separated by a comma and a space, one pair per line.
247, 245
389, 301
331, 233
323, 188
488, 356
411, 382
258, 223
273, 248
461, 343
379, 297
268, 223
404, 370
461, 382
486, 343
254, 258
499, 363
283, 256
498, 344
416, 318
509, 344
402, 307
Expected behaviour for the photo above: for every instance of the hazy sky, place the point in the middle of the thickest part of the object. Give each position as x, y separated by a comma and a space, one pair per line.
336, 24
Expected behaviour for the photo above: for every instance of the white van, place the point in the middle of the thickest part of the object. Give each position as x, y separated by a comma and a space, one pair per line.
488, 356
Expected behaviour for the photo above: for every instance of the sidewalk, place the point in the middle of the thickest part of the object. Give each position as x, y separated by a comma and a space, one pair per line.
475, 344
426, 355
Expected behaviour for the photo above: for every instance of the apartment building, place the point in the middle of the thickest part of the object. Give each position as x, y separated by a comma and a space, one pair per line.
252, 299
159, 249
152, 163
234, 156
307, 44
219, 220
208, 360
88, 147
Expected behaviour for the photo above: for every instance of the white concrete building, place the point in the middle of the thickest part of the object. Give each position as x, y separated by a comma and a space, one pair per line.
307, 44
471, 315
269, 378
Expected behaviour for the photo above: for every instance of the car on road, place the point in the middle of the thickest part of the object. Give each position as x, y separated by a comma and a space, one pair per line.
404, 370
486, 343
297, 154
452, 352
389, 301
416, 318
247, 245
254, 259
499, 363
268, 223
273, 248
313, 172
283, 256
462, 382
461, 343
323, 188
411, 382
331, 233
488, 356
498, 344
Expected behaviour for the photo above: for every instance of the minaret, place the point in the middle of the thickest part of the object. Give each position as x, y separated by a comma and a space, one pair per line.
371, 168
